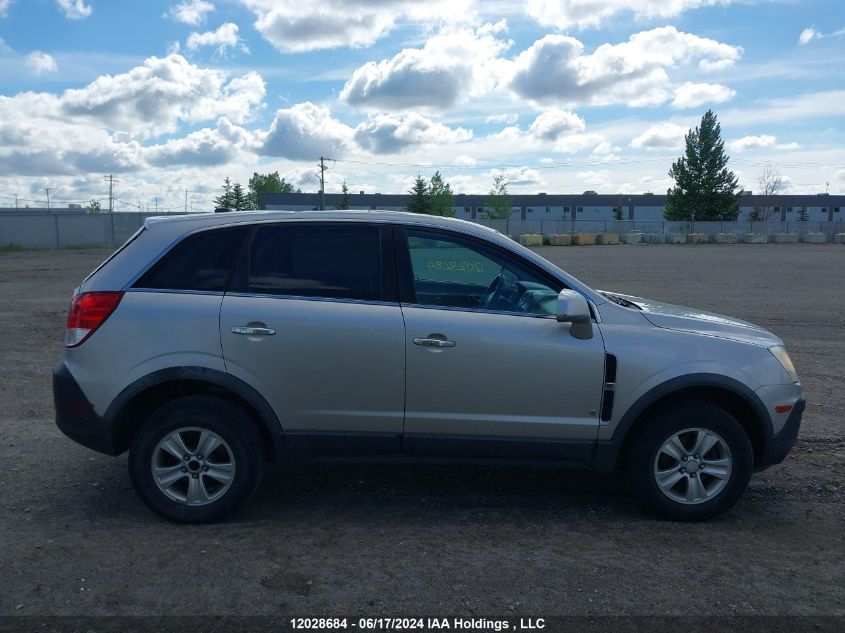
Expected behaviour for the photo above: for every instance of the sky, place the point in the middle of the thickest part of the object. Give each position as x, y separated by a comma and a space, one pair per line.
560, 96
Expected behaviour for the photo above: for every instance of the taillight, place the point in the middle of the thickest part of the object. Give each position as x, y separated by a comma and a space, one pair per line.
87, 312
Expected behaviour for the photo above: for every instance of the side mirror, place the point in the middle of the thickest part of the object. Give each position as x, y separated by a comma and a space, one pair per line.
572, 308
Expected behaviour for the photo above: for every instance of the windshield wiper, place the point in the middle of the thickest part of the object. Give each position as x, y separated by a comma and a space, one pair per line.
620, 301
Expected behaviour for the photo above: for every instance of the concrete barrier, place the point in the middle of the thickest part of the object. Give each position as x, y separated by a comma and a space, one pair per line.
725, 238
697, 238
755, 238
786, 238
655, 238
607, 238
676, 238
531, 239
815, 238
584, 239
632, 238
563, 239
839, 238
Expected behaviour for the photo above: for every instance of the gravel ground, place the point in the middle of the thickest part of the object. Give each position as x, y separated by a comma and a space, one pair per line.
411, 540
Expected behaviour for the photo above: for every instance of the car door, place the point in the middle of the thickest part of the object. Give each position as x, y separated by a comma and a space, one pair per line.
313, 322
490, 371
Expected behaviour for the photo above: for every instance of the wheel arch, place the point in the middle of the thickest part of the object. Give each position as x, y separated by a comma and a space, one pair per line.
137, 401
727, 393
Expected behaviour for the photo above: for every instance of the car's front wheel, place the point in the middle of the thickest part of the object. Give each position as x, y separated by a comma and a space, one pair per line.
197, 459
690, 461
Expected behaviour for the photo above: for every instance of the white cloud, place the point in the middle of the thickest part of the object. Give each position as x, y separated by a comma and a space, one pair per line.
808, 35
190, 12
306, 131
295, 26
508, 119
764, 141
74, 9
452, 66
518, 176
555, 68
157, 96
565, 14
661, 136
39, 63
464, 161
223, 38
204, 147
4, 7
389, 133
552, 124
692, 95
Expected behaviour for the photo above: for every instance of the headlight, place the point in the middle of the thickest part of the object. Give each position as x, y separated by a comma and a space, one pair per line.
786, 362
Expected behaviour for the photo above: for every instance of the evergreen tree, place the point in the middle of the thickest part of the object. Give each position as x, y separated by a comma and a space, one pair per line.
803, 215
499, 203
344, 197
239, 201
440, 196
419, 202
704, 186
226, 199
617, 212
266, 183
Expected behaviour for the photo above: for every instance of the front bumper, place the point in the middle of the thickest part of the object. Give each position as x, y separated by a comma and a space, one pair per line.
75, 416
777, 446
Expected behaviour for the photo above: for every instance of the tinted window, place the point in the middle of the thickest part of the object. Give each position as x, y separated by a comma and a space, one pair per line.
311, 260
200, 262
453, 271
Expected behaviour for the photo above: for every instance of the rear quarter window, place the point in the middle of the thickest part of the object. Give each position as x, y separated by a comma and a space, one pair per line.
204, 261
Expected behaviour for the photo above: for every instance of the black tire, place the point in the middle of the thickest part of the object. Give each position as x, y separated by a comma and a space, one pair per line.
231, 424
642, 452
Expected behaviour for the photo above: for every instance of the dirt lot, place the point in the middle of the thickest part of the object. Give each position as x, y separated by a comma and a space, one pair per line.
393, 540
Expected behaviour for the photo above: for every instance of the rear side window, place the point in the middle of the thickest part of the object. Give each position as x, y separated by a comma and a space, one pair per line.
311, 260
204, 261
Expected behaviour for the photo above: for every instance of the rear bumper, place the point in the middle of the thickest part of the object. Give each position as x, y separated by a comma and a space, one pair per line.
778, 446
75, 416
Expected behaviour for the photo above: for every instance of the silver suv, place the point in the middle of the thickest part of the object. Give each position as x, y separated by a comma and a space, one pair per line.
210, 344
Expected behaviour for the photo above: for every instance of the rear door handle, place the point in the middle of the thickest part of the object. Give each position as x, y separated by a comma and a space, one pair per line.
253, 331
434, 342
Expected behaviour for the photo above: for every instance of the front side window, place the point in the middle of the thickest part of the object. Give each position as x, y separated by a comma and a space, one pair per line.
458, 272
203, 261
313, 260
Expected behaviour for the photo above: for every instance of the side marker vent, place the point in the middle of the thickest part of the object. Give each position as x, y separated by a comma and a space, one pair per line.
609, 387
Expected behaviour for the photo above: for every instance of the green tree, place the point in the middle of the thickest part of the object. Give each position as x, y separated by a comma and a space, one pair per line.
266, 183
440, 196
704, 186
93, 207
344, 197
803, 215
239, 198
419, 202
617, 212
226, 199
499, 202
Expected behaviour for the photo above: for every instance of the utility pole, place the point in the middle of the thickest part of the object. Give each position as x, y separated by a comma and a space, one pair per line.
16, 202
47, 189
111, 180
156, 205
186, 200
323, 168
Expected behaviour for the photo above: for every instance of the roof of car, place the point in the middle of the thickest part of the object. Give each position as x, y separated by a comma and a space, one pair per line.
190, 222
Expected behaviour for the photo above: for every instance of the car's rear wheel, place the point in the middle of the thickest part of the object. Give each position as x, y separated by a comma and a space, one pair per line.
691, 461
196, 459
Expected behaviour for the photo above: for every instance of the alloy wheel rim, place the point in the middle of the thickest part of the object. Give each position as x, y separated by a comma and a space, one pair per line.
193, 466
693, 466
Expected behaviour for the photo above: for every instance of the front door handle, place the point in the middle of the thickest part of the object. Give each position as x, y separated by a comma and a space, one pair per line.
253, 331
434, 342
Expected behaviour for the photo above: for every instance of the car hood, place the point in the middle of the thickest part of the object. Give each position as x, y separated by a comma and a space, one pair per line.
684, 319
